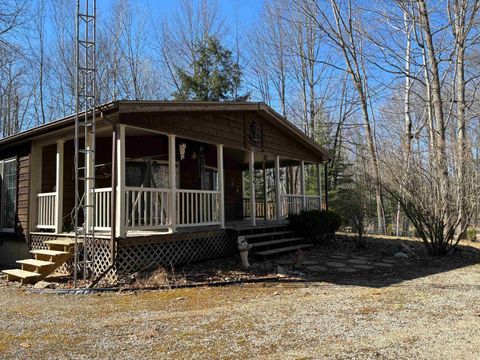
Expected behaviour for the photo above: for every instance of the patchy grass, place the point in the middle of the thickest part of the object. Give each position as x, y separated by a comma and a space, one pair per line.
423, 309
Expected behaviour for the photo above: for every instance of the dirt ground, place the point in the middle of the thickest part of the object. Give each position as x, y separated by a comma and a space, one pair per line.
418, 308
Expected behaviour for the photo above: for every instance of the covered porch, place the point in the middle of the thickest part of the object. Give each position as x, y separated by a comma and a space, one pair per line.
149, 181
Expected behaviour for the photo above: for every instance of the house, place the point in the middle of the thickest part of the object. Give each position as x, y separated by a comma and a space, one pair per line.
174, 182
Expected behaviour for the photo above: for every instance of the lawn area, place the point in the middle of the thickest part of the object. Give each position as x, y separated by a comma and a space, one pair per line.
422, 309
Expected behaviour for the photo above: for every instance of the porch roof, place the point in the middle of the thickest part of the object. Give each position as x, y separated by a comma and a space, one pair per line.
111, 110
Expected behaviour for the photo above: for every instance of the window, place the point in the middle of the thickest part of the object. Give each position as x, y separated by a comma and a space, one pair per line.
8, 194
209, 178
150, 174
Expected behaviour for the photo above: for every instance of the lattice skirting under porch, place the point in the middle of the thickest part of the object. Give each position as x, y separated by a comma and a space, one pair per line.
37, 242
135, 254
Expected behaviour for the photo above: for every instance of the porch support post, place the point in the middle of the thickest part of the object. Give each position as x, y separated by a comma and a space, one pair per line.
278, 195
89, 182
302, 183
35, 184
172, 176
59, 187
120, 229
253, 206
326, 186
221, 185
319, 185
265, 207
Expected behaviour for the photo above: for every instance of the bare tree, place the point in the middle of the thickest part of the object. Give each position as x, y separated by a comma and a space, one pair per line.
463, 16
179, 32
346, 37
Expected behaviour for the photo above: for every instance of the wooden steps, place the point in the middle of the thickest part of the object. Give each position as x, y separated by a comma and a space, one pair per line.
48, 252
34, 265
61, 244
44, 262
264, 235
25, 276
35, 262
278, 241
283, 250
269, 241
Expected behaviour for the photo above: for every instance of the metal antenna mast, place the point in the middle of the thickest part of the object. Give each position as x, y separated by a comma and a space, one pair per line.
85, 133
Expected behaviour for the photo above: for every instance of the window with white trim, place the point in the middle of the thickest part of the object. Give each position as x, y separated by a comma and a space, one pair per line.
8, 194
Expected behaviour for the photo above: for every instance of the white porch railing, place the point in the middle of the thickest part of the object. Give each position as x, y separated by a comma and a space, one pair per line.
290, 204
103, 205
197, 207
146, 208
260, 208
293, 204
46, 210
313, 202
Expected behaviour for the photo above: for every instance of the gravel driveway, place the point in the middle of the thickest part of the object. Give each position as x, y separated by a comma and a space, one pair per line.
428, 310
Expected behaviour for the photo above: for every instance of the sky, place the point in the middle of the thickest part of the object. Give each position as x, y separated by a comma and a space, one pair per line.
247, 10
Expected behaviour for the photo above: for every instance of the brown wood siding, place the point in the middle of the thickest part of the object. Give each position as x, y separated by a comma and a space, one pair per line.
227, 128
233, 189
49, 168
68, 182
22, 153
23, 193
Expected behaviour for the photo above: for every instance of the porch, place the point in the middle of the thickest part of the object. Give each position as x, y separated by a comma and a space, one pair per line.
152, 182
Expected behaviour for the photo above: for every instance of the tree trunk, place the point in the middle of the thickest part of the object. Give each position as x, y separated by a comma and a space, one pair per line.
440, 156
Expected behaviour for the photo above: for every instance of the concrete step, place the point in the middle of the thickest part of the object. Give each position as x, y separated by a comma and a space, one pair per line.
35, 262
283, 250
269, 234
277, 241
25, 276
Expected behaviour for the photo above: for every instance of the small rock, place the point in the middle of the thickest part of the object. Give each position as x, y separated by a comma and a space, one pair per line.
181, 298
316, 268
362, 267
335, 264
285, 261
358, 261
43, 285
347, 270
309, 262
383, 264
338, 257
401, 255
281, 271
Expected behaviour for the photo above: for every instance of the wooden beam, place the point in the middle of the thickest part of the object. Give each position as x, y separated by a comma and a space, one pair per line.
265, 208
89, 182
120, 190
326, 186
221, 185
253, 206
278, 195
172, 176
319, 184
302, 183
35, 184
59, 187
189, 106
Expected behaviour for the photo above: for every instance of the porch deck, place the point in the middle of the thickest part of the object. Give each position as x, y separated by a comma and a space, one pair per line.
229, 225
